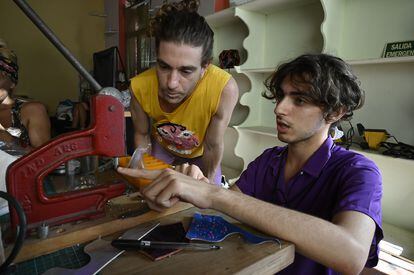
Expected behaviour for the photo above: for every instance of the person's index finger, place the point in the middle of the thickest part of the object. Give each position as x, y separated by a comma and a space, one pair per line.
139, 173
150, 174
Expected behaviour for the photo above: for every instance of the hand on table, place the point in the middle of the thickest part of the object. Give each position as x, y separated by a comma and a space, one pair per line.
169, 186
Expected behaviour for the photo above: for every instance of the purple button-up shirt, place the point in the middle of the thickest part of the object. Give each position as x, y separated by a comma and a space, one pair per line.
332, 180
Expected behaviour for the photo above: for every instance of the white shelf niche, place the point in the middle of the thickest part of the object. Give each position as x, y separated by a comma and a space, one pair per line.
229, 33
269, 41
241, 112
359, 30
261, 110
389, 98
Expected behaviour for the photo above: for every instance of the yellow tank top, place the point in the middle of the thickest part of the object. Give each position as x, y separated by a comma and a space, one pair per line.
182, 131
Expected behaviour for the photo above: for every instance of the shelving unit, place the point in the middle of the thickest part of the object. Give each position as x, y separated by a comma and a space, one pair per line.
229, 33
359, 30
269, 32
389, 104
269, 41
380, 61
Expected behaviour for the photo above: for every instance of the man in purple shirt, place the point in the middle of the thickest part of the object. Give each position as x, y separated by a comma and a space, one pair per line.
323, 198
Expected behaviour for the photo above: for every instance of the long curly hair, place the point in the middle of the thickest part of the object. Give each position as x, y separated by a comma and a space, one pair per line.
333, 86
179, 22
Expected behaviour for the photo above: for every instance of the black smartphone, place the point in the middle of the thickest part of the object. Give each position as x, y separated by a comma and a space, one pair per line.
164, 233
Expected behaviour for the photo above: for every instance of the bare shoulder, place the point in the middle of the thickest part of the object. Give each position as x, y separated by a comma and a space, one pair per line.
33, 110
229, 97
231, 89
33, 107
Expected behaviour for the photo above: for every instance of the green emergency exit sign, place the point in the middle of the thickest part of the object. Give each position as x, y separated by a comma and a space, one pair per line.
399, 49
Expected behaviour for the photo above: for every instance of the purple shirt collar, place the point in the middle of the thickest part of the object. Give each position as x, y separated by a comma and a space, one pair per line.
318, 160
315, 163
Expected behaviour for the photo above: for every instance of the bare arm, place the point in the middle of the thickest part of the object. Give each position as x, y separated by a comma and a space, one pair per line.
36, 120
214, 139
141, 123
342, 244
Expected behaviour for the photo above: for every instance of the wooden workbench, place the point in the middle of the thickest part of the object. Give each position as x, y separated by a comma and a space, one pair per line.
76, 233
236, 256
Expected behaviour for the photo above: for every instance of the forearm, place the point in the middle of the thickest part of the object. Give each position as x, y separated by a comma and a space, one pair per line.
335, 245
214, 138
141, 124
142, 139
320, 240
39, 136
211, 159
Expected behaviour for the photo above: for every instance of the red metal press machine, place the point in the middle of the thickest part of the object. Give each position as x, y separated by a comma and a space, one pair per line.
25, 176
104, 137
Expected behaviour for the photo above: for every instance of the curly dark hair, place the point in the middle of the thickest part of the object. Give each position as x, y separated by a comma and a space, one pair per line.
333, 86
180, 23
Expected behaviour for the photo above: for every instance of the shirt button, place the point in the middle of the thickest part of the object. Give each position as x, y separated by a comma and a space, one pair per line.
301, 173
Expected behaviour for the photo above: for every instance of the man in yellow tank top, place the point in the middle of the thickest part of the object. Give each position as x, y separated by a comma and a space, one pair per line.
184, 104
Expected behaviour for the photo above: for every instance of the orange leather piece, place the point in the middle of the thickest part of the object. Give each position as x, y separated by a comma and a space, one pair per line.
150, 163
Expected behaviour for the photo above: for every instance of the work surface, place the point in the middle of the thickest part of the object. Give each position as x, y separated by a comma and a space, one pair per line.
236, 256
70, 234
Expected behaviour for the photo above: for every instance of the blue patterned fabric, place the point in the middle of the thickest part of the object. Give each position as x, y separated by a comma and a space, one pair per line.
212, 228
